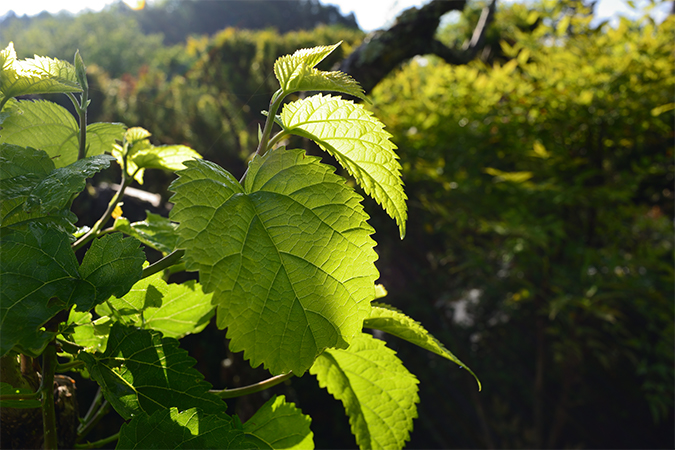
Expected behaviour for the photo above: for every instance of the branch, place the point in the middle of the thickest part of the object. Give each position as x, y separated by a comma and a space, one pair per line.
412, 35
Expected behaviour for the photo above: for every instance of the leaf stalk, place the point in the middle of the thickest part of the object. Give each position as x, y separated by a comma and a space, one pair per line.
253, 388
99, 443
169, 260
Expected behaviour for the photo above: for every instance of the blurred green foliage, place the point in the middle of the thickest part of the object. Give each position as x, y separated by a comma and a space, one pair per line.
541, 205
216, 104
112, 39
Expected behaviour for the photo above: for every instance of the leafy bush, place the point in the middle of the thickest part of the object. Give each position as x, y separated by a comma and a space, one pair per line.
285, 260
550, 240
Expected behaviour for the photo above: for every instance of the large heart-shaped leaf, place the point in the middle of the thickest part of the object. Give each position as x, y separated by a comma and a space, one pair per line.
289, 256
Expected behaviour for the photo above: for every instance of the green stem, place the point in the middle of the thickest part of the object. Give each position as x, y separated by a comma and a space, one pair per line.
277, 98
276, 138
100, 443
263, 145
67, 366
253, 388
169, 260
95, 230
31, 396
49, 363
93, 418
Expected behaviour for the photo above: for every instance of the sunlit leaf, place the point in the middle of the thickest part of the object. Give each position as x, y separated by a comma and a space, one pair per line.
358, 142
390, 320
377, 391
289, 256
155, 231
296, 72
280, 425
173, 309
38, 75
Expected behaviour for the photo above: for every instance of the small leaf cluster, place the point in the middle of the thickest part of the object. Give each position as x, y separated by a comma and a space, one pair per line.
285, 258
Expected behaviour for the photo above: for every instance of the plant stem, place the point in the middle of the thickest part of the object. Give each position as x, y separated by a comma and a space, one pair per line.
69, 365
100, 443
263, 145
98, 409
169, 260
253, 388
47, 389
31, 396
276, 138
95, 230
275, 102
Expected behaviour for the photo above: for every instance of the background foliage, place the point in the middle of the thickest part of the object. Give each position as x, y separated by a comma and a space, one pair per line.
540, 179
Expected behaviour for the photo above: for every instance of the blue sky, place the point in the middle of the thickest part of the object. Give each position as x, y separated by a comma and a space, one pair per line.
370, 14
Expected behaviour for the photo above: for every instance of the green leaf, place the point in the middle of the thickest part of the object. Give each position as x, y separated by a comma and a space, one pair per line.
34, 76
377, 391
189, 429
140, 154
141, 372
43, 125
8, 389
88, 333
38, 277
357, 140
174, 309
17, 160
111, 265
57, 189
155, 231
101, 137
390, 320
289, 257
281, 425
296, 73
30, 187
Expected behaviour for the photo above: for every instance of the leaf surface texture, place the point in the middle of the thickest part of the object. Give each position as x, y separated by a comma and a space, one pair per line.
377, 391
289, 256
358, 142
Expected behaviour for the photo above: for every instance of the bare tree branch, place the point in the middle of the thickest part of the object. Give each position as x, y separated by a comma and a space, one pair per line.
412, 35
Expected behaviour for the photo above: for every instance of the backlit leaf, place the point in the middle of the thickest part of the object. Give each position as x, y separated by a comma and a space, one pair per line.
377, 391
289, 257
141, 372
88, 333
45, 126
357, 140
390, 320
38, 75
281, 425
155, 231
296, 73
173, 309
